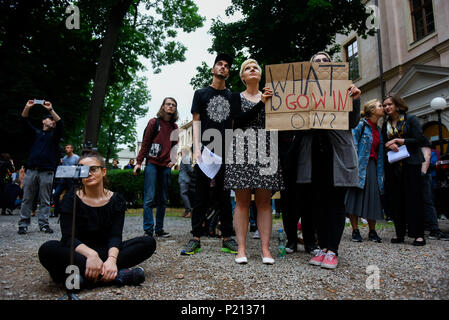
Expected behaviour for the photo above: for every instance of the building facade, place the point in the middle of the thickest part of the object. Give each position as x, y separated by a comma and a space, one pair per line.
413, 57
185, 140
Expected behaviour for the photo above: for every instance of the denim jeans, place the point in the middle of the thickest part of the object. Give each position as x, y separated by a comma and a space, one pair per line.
430, 213
156, 184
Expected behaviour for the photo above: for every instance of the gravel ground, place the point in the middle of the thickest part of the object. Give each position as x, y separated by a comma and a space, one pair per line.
406, 272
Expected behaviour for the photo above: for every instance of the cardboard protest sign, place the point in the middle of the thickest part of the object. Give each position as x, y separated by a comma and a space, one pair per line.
308, 96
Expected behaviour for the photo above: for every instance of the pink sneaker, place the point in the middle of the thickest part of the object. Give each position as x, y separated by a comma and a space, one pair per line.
318, 259
330, 261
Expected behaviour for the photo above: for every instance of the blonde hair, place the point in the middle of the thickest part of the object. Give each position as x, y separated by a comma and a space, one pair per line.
245, 63
320, 53
369, 108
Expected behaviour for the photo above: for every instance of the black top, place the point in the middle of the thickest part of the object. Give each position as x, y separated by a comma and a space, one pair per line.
215, 109
244, 119
96, 227
414, 139
44, 152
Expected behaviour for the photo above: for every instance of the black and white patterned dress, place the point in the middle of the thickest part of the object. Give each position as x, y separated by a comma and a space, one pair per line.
252, 161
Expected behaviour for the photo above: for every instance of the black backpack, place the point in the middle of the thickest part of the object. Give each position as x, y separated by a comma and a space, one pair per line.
155, 132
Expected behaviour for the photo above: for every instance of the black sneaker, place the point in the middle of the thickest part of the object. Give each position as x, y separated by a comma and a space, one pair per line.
163, 234
438, 235
372, 236
291, 247
130, 276
229, 246
22, 230
356, 237
46, 229
192, 247
148, 233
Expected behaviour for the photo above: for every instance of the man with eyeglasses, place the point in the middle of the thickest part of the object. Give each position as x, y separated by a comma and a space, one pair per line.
41, 166
160, 137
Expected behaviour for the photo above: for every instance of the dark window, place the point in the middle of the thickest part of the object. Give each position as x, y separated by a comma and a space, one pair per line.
352, 53
422, 18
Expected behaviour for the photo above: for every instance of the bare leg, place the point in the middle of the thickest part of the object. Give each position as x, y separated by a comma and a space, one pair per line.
241, 219
372, 224
354, 221
264, 220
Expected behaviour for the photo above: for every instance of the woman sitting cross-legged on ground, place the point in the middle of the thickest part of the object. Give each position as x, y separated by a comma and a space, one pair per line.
100, 254
364, 200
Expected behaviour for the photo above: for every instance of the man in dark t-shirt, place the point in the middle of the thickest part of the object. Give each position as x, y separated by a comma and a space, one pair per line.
41, 166
211, 112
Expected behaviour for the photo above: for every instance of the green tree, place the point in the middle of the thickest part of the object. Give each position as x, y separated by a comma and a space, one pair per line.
149, 34
124, 104
40, 58
280, 31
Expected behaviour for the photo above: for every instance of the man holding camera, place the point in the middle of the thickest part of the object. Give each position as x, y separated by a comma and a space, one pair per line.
42, 162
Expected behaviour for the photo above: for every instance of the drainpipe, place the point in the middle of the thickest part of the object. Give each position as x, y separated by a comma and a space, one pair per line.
379, 47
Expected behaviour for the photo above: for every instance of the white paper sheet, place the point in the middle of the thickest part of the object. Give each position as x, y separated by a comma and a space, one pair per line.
397, 156
210, 163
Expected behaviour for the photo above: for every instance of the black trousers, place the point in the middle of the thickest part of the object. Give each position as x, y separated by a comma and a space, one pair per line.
325, 203
330, 212
55, 256
403, 183
211, 197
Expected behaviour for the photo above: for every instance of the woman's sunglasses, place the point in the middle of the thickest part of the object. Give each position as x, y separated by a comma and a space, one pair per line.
321, 60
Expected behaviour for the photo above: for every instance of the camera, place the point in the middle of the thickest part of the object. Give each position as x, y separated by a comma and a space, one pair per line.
73, 172
36, 101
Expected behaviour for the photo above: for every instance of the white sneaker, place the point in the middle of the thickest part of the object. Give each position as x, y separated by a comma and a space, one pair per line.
256, 235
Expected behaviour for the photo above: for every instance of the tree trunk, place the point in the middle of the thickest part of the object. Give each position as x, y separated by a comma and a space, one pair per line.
93, 122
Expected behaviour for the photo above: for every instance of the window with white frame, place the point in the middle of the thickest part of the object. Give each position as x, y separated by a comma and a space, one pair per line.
423, 21
352, 55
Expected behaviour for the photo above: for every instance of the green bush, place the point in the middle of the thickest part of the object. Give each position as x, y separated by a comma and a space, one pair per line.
131, 187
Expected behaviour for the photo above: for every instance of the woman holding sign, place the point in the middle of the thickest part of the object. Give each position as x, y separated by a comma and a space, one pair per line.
403, 178
252, 165
326, 167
